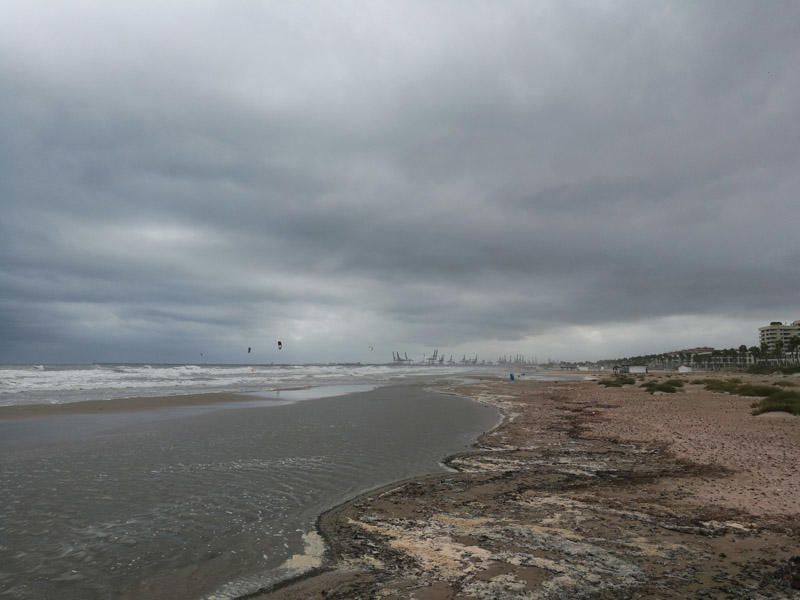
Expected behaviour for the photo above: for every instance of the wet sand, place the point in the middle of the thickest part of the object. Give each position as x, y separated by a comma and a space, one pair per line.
205, 494
155, 403
583, 492
118, 405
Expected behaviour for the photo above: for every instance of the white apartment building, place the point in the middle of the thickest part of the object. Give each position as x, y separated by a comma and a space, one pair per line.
775, 331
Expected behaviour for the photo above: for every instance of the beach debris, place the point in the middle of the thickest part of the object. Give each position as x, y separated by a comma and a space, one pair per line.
545, 508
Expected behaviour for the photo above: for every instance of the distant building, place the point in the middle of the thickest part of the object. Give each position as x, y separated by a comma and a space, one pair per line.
777, 331
630, 369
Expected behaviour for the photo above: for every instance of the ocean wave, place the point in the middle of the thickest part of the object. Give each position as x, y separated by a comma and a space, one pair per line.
65, 383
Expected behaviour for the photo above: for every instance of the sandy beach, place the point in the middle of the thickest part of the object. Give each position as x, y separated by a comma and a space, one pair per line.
760, 453
583, 492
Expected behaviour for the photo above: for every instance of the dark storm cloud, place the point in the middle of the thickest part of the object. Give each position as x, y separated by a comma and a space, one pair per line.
408, 174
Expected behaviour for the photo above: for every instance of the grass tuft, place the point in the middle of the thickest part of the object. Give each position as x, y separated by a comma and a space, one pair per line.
720, 385
617, 381
674, 382
768, 370
665, 386
773, 398
783, 400
786, 383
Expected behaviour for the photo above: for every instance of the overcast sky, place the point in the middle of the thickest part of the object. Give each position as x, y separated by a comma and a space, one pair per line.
565, 179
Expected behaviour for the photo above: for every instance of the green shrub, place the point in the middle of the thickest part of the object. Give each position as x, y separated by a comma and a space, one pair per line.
718, 385
617, 381
748, 389
742, 389
782, 400
609, 383
768, 369
655, 386
674, 382
772, 398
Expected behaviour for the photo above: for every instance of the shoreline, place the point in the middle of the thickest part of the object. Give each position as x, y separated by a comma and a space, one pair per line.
367, 535
325, 519
328, 516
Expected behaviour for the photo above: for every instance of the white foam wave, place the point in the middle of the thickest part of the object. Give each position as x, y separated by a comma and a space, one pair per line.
29, 384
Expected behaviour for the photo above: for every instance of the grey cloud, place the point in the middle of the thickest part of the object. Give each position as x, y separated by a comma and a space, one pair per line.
431, 175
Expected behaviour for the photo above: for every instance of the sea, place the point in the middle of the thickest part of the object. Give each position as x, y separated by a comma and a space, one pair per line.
211, 501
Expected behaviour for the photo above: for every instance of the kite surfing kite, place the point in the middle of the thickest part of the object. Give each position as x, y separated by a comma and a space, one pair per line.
280, 345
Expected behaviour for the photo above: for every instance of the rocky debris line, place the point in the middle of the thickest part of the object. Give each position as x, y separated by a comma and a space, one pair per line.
540, 512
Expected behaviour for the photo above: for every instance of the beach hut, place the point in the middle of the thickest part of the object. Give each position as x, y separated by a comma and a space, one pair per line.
684, 369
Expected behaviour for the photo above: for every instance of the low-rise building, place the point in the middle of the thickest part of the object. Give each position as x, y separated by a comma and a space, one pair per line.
638, 369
